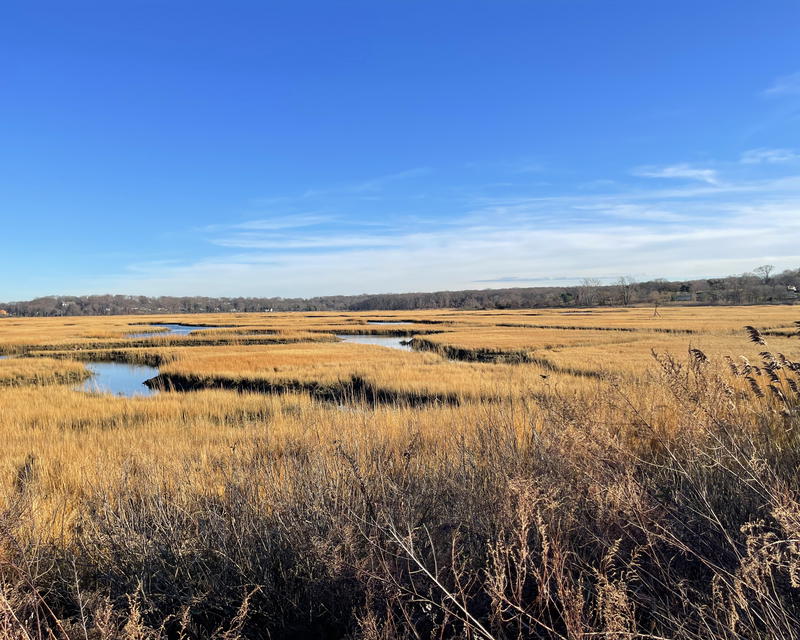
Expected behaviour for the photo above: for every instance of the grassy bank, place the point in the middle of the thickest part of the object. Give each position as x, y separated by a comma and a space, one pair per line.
16, 372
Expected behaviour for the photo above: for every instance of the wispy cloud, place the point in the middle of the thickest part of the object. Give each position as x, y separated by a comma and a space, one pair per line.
681, 171
530, 167
768, 156
303, 231
547, 281
284, 242
376, 184
275, 222
635, 211
589, 235
600, 183
784, 85
738, 238
366, 187
715, 222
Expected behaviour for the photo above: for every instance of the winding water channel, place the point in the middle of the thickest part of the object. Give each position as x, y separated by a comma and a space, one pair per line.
128, 380
171, 330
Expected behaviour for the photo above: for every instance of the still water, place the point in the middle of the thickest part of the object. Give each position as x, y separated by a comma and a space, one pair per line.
392, 342
171, 330
128, 380
119, 379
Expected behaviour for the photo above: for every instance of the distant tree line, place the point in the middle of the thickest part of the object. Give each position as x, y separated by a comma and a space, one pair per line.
762, 286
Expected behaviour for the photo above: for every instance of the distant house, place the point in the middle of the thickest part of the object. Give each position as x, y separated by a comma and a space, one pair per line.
684, 296
4, 313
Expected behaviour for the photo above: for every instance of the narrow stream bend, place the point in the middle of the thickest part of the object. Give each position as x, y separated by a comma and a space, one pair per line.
128, 380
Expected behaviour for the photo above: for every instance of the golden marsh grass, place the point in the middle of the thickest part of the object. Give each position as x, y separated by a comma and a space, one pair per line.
303, 488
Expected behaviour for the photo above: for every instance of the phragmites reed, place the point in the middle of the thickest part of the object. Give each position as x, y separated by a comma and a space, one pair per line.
732, 365
777, 392
755, 335
698, 355
754, 386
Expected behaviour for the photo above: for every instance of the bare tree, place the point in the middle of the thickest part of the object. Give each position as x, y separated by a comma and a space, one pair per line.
764, 272
625, 286
587, 291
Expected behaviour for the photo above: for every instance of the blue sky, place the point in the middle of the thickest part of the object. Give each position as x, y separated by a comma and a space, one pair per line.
310, 148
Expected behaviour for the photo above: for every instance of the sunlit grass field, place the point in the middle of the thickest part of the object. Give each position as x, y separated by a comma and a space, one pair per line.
460, 359
27, 371
351, 485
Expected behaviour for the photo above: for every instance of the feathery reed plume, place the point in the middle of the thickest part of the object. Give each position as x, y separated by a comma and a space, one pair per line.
747, 367
755, 335
777, 392
767, 356
732, 366
754, 387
